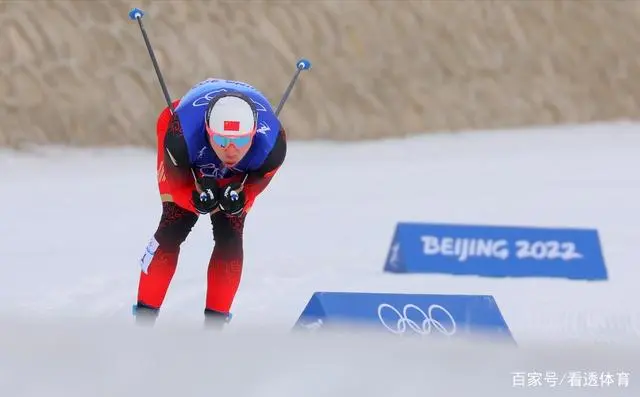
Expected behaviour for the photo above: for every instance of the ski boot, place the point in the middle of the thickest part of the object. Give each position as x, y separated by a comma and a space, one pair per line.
216, 320
145, 315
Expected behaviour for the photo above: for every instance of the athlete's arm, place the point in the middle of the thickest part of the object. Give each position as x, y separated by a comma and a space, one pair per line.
259, 179
176, 154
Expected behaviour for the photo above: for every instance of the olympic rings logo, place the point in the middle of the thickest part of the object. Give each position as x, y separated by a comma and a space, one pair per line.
420, 326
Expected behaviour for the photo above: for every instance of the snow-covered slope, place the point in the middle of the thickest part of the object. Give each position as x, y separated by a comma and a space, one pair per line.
75, 222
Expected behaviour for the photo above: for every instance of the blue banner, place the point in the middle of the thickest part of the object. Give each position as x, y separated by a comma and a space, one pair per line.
411, 314
496, 251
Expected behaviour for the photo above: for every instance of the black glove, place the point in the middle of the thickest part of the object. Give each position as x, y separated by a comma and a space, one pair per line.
232, 199
207, 200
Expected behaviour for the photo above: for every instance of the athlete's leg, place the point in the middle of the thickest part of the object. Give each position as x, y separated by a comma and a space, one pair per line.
161, 256
159, 262
225, 266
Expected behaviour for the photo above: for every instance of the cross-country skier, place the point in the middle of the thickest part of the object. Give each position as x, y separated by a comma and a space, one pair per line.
227, 135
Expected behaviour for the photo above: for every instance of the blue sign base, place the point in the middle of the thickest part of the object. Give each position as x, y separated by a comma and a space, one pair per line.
406, 314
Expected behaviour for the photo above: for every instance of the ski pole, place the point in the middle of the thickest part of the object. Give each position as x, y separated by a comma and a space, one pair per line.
302, 64
136, 14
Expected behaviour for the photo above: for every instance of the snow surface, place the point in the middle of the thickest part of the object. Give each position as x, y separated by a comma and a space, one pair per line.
74, 223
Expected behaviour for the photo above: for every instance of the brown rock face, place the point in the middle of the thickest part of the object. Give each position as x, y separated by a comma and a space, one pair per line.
77, 72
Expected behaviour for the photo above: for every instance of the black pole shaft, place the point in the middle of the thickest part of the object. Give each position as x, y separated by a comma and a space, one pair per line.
165, 91
287, 92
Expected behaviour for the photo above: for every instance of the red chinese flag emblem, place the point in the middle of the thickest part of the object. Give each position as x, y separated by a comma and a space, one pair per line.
231, 125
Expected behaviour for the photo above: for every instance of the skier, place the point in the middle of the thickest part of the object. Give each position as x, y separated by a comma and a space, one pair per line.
216, 154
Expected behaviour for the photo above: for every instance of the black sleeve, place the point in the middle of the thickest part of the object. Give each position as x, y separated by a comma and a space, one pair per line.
176, 153
257, 181
275, 158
